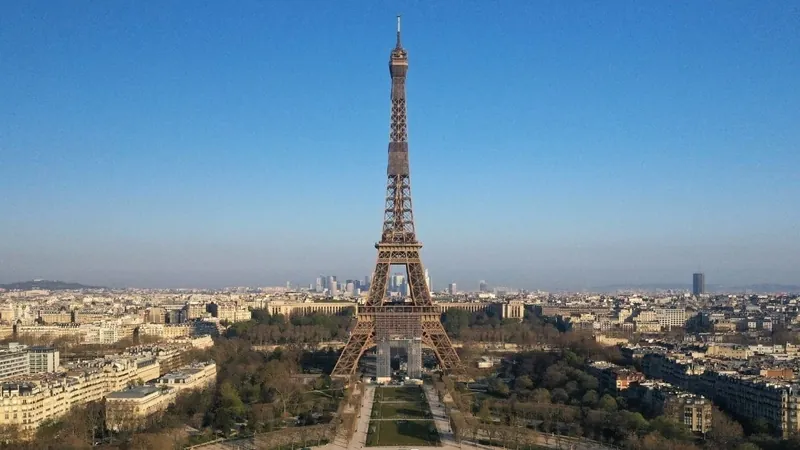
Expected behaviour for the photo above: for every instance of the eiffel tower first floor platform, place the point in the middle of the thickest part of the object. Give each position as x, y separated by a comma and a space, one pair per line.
381, 324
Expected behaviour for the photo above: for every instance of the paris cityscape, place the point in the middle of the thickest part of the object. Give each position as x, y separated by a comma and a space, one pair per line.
657, 344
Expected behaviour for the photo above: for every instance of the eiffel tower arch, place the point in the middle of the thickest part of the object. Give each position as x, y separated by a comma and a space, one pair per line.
417, 321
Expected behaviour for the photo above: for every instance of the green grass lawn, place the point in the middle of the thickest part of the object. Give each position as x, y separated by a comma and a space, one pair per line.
399, 394
402, 432
405, 410
400, 404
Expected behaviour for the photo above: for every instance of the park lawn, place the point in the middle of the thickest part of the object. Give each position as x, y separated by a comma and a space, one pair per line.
403, 432
399, 394
404, 410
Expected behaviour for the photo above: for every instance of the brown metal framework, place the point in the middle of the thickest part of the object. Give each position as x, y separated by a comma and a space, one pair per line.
378, 320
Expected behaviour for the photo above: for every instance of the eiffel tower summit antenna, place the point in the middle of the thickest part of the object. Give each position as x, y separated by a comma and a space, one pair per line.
398, 32
415, 322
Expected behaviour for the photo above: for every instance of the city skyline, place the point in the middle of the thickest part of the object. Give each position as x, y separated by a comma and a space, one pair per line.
153, 149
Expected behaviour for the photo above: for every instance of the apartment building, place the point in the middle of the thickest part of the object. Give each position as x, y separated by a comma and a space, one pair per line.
132, 408
29, 402
695, 411
50, 317
72, 332
85, 386
672, 369
731, 351
659, 398
155, 315
14, 361
229, 311
90, 316
777, 373
752, 397
614, 377
104, 334
26, 405
193, 376
671, 317
195, 310
165, 331
748, 396
43, 359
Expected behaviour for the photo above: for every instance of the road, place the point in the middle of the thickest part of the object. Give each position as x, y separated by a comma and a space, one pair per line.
440, 417
359, 439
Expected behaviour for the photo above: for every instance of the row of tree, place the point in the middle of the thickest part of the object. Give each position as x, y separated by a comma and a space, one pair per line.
267, 329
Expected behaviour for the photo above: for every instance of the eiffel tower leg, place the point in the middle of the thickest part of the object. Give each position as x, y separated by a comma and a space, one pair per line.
435, 337
377, 289
361, 338
418, 288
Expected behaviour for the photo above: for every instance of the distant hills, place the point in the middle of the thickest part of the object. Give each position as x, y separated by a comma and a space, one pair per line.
49, 285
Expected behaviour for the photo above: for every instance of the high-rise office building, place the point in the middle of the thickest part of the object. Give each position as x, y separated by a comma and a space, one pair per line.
14, 360
698, 284
330, 283
482, 286
451, 288
155, 314
398, 282
428, 280
334, 288
43, 359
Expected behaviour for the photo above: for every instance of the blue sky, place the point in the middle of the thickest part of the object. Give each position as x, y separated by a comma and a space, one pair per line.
553, 144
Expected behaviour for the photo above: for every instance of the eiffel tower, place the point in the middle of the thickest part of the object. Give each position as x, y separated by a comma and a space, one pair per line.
416, 319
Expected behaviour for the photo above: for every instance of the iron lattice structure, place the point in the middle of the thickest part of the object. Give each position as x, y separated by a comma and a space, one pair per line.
379, 321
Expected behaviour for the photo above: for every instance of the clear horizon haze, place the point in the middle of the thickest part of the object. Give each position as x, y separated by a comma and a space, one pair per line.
553, 145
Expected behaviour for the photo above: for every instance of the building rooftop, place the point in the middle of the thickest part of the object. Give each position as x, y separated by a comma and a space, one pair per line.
135, 392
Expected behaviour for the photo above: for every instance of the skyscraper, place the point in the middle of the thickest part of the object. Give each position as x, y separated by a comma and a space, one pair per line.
452, 289
428, 280
698, 284
482, 286
397, 283
318, 284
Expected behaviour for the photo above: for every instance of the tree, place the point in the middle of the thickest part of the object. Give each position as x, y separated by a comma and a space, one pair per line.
455, 321
559, 395
608, 403
263, 416
725, 432
572, 388
484, 413
278, 378
230, 400
635, 422
9, 433
590, 399
147, 441
498, 387
523, 383
670, 428
759, 426
541, 395
554, 376
747, 446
